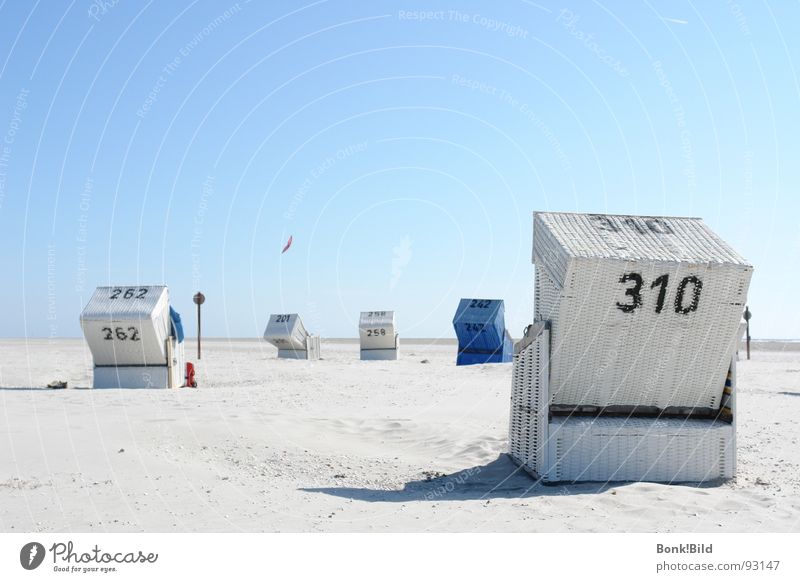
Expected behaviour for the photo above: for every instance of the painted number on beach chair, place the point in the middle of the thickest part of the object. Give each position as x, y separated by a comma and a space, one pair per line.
639, 225
121, 333
129, 293
633, 291
376, 332
480, 303
281, 318
476, 327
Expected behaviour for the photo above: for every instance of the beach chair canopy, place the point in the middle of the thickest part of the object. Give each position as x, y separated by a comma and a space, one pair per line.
480, 324
376, 330
129, 325
644, 311
286, 331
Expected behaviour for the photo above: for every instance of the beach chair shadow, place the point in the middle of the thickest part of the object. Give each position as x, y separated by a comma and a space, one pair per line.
498, 479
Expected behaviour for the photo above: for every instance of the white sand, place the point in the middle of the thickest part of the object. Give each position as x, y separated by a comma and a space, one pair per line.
343, 445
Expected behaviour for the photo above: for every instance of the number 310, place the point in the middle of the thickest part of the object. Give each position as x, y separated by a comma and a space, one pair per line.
635, 293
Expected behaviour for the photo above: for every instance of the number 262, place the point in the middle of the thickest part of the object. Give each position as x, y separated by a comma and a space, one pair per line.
121, 334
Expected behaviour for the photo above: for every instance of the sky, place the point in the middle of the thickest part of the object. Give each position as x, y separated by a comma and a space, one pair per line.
403, 146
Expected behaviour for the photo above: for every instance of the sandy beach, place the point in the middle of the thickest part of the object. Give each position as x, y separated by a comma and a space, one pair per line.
343, 445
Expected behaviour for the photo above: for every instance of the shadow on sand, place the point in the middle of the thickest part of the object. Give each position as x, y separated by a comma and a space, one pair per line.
41, 388
499, 479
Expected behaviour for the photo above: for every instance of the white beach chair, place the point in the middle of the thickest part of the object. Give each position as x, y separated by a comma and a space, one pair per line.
628, 372
376, 331
286, 332
136, 339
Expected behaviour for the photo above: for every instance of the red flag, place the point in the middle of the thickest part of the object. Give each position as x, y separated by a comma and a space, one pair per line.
288, 244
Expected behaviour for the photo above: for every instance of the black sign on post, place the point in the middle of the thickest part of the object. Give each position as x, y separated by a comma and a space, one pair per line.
198, 299
747, 316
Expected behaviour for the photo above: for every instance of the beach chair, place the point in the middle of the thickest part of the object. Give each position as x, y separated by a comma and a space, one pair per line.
135, 337
481, 331
286, 332
628, 372
376, 331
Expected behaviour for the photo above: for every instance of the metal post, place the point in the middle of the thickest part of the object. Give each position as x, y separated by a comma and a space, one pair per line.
747, 316
199, 299
198, 331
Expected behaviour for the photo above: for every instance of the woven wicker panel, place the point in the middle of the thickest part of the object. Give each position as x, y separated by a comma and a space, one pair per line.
548, 252
313, 347
529, 410
639, 449
604, 356
624, 237
376, 330
631, 325
547, 297
131, 377
127, 325
520, 420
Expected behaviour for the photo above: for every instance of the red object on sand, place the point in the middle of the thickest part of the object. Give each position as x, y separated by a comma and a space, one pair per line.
190, 381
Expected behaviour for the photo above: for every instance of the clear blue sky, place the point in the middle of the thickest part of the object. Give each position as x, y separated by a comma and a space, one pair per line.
183, 142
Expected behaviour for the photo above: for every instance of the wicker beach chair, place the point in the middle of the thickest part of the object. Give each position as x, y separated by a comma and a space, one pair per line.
135, 337
379, 340
628, 372
481, 331
286, 332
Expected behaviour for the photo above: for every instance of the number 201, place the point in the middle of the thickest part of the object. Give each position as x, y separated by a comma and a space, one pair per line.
635, 293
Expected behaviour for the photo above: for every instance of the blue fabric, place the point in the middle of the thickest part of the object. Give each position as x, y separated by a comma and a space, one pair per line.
177, 326
482, 337
469, 358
